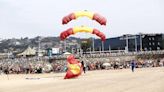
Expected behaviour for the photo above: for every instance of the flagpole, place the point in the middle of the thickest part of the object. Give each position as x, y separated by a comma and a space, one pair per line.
102, 46
93, 44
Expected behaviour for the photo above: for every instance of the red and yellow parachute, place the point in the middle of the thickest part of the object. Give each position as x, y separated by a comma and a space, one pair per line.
74, 67
94, 16
75, 30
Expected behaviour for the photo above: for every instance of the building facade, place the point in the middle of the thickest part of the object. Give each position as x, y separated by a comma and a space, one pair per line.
131, 43
152, 42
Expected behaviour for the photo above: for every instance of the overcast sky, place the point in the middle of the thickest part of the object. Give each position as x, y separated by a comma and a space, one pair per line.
31, 18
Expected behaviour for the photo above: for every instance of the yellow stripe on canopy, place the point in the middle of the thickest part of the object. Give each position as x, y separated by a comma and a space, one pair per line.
82, 29
84, 13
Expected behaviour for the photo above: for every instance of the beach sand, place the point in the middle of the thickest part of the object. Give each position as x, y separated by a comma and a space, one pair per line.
142, 80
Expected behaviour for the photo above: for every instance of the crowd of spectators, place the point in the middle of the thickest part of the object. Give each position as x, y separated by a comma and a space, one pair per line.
34, 65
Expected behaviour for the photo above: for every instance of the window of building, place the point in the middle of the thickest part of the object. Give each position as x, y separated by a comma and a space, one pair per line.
149, 43
152, 38
150, 48
158, 48
158, 43
153, 43
149, 38
145, 49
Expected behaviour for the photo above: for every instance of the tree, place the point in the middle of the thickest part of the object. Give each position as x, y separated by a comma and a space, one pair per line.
86, 44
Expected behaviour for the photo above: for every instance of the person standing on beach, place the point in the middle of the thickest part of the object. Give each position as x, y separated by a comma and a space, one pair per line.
133, 65
83, 65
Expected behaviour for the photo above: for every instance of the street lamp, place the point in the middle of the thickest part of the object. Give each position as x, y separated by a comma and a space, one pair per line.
93, 44
135, 43
102, 46
65, 46
39, 42
100, 49
140, 41
109, 48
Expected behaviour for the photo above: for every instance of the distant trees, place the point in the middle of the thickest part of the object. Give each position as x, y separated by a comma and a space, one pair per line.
86, 45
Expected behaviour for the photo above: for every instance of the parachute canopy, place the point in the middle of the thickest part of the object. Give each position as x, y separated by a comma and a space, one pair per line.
94, 16
74, 67
75, 30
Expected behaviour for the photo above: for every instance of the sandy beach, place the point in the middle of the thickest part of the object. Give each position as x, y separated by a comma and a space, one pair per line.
142, 80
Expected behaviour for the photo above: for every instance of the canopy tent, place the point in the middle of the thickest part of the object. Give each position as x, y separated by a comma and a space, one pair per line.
67, 53
106, 64
28, 52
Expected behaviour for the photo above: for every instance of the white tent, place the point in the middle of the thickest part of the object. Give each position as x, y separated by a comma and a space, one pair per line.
67, 53
28, 52
106, 64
